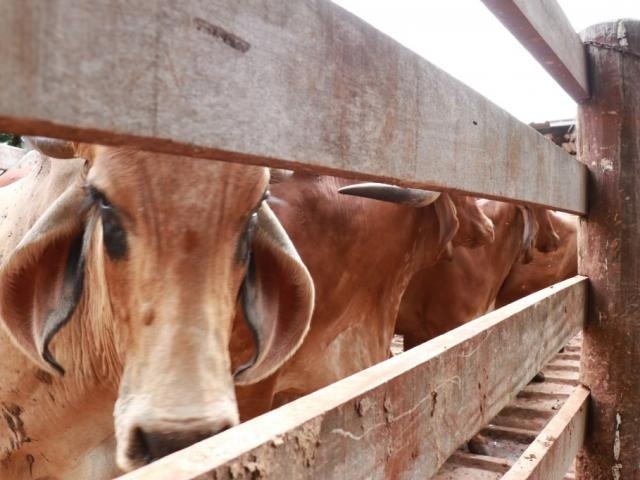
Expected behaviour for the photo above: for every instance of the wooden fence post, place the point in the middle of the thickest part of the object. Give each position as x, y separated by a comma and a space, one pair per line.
609, 251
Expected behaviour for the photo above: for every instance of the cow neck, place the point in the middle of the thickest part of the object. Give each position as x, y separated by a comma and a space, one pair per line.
62, 426
45, 427
505, 251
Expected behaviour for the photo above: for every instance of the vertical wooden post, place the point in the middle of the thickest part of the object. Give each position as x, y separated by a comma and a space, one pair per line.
609, 251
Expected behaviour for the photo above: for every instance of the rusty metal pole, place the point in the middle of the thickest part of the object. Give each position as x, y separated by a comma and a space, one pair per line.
609, 251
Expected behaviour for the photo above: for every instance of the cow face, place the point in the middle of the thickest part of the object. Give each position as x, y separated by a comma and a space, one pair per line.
165, 249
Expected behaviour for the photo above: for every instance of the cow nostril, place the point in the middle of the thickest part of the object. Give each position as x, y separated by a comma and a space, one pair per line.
148, 446
151, 442
224, 427
139, 448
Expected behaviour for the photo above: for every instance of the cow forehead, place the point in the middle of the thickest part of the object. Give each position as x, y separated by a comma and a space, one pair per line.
133, 180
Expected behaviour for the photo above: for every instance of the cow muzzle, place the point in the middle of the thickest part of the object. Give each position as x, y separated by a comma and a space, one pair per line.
146, 436
149, 443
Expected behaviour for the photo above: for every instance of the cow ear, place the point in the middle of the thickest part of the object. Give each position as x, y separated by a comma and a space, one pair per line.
41, 278
476, 229
277, 299
447, 222
52, 147
547, 239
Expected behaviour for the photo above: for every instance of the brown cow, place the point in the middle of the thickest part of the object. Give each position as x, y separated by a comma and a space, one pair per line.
546, 267
361, 254
459, 289
124, 276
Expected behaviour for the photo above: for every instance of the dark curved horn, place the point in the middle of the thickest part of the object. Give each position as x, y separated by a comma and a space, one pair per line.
52, 147
412, 197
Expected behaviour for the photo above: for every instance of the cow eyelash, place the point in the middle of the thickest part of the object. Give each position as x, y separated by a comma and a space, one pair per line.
98, 198
113, 233
265, 197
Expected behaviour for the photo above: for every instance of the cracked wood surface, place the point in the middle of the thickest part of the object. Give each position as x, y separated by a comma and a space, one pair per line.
286, 84
401, 418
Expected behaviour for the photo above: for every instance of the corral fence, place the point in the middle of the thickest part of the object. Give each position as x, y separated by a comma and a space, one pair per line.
306, 85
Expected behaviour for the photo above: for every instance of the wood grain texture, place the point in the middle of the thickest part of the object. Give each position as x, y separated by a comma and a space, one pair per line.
551, 453
287, 84
543, 29
608, 240
401, 418
481, 462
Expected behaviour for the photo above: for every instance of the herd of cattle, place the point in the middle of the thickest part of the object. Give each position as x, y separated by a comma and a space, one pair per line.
149, 301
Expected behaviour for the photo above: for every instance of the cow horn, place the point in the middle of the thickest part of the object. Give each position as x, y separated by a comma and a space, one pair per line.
390, 193
52, 147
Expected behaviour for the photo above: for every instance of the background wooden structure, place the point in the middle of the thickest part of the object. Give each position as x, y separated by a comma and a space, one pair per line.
307, 85
609, 144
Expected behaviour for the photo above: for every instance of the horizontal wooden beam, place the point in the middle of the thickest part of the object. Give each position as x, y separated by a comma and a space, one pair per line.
303, 85
481, 462
551, 453
543, 29
407, 414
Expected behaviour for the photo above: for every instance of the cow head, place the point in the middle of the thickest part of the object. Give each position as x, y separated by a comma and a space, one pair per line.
158, 252
461, 221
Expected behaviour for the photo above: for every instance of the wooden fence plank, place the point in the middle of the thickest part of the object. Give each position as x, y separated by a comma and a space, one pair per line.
544, 30
550, 455
482, 462
401, 418
285, 84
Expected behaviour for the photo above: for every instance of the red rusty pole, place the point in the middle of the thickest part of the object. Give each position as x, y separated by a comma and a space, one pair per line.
609, 251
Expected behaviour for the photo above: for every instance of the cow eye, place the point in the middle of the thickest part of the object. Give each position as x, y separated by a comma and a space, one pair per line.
244, 247
114, 235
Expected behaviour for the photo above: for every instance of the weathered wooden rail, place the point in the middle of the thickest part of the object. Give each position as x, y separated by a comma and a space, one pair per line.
405, 415
307, 85
313, 87
537, 435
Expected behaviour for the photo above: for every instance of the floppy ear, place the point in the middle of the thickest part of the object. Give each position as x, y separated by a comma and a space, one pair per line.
476, 229
41, 278
448, 223
51, 147
277, 299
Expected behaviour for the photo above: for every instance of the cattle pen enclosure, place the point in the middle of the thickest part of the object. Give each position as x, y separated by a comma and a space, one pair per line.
306, 85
